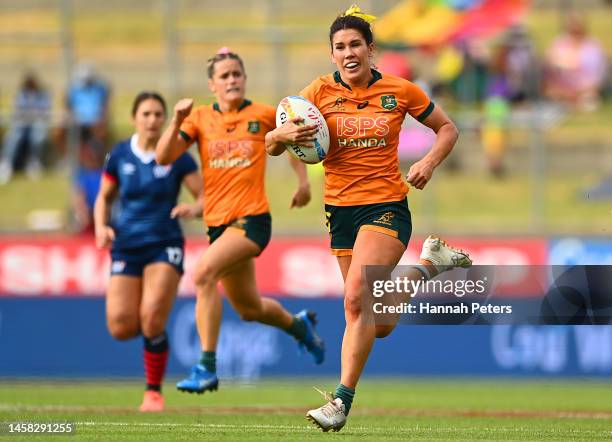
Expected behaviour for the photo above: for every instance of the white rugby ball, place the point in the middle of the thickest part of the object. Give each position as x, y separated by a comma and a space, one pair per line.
295, 106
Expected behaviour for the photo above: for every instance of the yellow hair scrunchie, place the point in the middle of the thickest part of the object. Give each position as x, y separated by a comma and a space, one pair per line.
355, 11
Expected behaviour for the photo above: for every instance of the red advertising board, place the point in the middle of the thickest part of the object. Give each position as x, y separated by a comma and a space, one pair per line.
296, 266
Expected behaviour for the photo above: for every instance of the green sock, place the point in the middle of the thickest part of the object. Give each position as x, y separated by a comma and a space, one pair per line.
346, 394
209, 361
297, 329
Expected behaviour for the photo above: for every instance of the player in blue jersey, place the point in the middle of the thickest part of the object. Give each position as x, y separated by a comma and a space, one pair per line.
145, 237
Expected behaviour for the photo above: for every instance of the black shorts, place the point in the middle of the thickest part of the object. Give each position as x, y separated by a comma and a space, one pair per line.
344, 223
258, 228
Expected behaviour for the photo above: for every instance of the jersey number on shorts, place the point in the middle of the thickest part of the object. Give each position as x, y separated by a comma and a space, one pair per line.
175, 255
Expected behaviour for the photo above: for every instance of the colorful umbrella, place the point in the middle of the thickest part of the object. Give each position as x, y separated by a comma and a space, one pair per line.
437, 22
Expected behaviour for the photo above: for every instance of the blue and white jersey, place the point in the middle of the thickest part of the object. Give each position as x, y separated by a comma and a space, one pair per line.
147, 194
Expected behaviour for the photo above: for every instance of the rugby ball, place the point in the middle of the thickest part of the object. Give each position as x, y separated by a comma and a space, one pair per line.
295, 106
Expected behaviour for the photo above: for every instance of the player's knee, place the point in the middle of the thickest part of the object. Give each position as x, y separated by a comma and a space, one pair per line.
382, 331
123, 327
152, 322
205, 275
352, 301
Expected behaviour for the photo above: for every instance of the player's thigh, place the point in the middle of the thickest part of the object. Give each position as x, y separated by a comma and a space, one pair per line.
123, 297
371, 249
160, 284
383, 232
241, 288
374, 248
227, 250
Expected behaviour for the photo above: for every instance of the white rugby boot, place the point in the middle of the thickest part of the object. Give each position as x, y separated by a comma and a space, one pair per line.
330, 416
443, 256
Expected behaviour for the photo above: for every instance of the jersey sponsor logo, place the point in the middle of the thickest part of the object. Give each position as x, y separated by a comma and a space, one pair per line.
363, 105
253, 127
362, 142
227, 149
229, 163
386, 219
230, 153
161, 171
388, 102
128, 169
362, 126
362, 131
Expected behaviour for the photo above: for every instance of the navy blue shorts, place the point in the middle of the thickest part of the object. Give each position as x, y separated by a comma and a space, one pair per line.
131, 262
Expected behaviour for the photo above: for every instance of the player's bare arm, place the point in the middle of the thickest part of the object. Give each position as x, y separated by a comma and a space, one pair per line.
193, 182
446, 136
302, 195
105, 234
171, 144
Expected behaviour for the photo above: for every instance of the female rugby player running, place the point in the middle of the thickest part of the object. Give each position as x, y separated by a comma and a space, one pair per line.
365, 195
145, 238
230, 134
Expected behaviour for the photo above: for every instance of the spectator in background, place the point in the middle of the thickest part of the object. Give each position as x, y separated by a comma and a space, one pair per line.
575, 67
87, 101
471, 83
519, 64
29, 128
512, 80
86, 180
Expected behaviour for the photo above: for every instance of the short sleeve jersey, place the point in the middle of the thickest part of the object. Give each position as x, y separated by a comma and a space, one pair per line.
362, 165
147, 194
233, 158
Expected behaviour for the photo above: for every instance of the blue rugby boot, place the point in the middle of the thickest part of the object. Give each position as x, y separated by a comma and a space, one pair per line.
311, 341
199, 381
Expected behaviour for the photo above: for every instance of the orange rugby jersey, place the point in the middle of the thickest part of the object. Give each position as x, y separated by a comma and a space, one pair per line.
233, 158
362, 165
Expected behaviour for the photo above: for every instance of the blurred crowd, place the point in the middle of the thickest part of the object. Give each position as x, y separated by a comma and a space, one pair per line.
78, 145
507, 74
498, 77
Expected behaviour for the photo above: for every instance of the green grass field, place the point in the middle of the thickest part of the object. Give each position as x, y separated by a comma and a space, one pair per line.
273, 410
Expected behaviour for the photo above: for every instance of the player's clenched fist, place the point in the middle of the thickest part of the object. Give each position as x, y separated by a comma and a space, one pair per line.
183, 108
419, 174
105, 235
